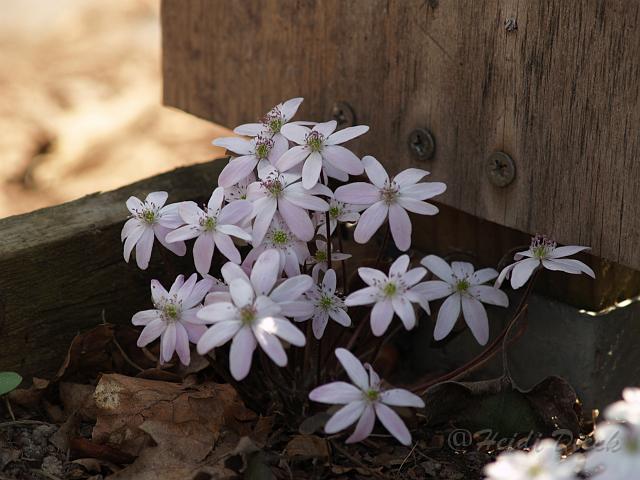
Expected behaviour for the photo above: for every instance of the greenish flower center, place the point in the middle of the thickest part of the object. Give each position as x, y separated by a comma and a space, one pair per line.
149, 216
275, 125
321, 256
325, 302
541, 246
315, 141
632, 446
279, 237
171, 312
462, 285
535, 470
390, 289
247, 315
389, 193
209, 224
372, 395
262, 150
273, 186
335, 211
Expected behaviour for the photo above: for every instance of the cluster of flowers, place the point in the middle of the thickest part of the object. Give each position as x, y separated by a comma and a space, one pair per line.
274, 199
615, 454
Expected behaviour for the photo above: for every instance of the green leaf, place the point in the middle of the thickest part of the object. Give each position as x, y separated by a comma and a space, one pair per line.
9, 381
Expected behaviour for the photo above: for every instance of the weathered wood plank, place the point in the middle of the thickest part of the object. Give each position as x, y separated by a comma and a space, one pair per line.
62, 267
559, 94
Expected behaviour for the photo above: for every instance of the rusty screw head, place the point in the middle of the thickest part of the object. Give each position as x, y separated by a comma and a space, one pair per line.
500, 169
422, 144
342, 113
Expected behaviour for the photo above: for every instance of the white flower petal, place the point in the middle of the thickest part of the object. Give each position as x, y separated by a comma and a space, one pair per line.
400, 225
218, 312
404, 310
490, 295
297, 219
266, 271
416, 206
371, 276
566, 251
423, 191
370, 221
482, 276
375, 171
241, 353
271, 346
325, 128
522, 271
410, 176
413, 276
335, 393
296, 133
340, 316
347, 134
292, 288
399, 266
447, 316
399, 397
381, 315
358, 193
168, 343
143, 248
145, 317
365, 296
282, 328
157, 199
290, 107
476, 317
292, 157
342, 159
237, 145
393, 423
345, 417
462, 269
311, 170
152, 331
439, 268
203, 249
364, 426
355, 370
433, 289
241, 292
568, 265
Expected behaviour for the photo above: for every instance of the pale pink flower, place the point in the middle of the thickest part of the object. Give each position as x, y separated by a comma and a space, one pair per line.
543, 462
327, 305
272, 122
319, 148
616, 454
293, 251
543, 252
174, 317
283, 192
363, 401
390, 198
253, 313
213, 227
389, 294
338, 212
258, 152
150, 219
319, 258
465, 291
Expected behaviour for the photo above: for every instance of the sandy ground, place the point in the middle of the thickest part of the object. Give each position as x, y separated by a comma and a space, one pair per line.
80, 102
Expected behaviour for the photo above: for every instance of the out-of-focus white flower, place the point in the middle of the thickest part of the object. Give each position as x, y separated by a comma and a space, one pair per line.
543, 252
338, 212
326, 305
465, 291
363, 401
616, 454
253, 313
150, 219
543, 462
319, 148
389, 294
213, 227
174, 317
293, 251
272, 122
283, 192
258, 152
389, 198
627, 409
319, 258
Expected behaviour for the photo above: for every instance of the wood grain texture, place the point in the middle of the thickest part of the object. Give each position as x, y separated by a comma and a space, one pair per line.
62, 269
560, 94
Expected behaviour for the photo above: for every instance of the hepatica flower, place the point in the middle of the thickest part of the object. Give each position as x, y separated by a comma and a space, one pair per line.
319, 258
338, 212
390, 294
327, 305
213, 226
150, 219
319, 148
390, 198
543, 462
173, 317
292, 251
272, 122
465, 291
363, 401
543, 252
257, 152
626, 410
254, 313
283, 192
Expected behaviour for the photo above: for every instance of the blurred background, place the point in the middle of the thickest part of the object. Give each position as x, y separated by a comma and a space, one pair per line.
80, 102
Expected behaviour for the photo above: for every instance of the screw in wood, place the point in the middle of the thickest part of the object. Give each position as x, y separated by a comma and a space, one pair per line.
342, 113
500, 168
422, 144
